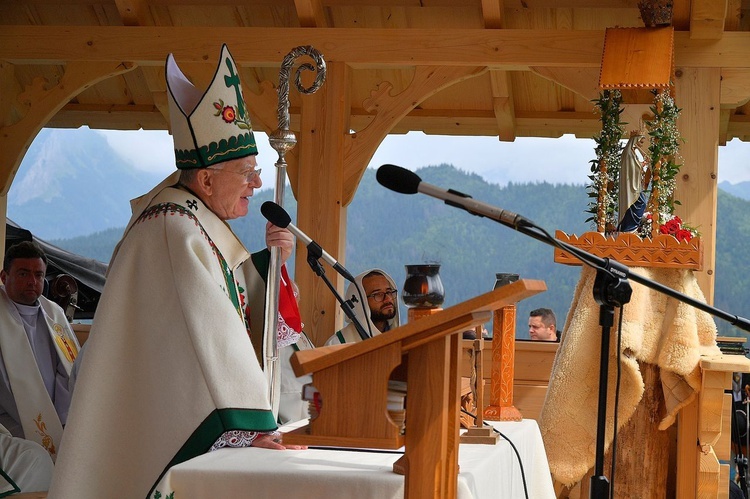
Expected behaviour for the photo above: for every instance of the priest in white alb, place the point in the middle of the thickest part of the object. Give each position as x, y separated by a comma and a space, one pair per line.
37, 351
170, 371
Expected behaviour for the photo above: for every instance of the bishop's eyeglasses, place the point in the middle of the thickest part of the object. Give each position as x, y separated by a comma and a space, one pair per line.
250, 174
379, 296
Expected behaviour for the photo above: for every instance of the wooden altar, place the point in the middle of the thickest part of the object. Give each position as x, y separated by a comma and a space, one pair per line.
352, 381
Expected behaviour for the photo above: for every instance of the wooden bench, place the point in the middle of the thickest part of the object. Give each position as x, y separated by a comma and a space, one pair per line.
533, 366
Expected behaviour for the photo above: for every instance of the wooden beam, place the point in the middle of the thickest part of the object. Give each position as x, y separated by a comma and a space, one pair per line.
687, 451
583, 81
528, 123
724, 117
8, 91
707, 19
325, 117
502, 104
697, 94
365, 47
134, 12
311, 13
492, 13
431, 121
735, 91
739, 126
510, 49
123, 117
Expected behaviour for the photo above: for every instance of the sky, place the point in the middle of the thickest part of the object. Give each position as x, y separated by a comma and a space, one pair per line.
563, 160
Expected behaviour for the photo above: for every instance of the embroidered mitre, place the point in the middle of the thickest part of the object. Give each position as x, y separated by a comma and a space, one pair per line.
209, 126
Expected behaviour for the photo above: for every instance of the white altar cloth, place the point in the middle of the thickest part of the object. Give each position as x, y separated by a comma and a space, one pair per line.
486, 471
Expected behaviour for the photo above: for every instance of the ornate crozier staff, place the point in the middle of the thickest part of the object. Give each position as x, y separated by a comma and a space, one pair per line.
282, 140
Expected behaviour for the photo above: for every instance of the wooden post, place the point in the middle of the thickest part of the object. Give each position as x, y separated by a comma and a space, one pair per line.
601, 212
478, 433
501, 406
643, 451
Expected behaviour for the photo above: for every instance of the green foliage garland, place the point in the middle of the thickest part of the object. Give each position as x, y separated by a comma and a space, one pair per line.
664, 146
605, 169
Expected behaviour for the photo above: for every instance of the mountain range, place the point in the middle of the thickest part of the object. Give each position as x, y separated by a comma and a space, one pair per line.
82, 198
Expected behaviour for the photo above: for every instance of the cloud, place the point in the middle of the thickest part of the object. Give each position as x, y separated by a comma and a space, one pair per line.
148, 150
561, 160
733, 162
153, 151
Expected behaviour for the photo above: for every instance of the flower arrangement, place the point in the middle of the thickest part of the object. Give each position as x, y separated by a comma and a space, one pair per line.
605, 169
664, 165
664, 145
671, 225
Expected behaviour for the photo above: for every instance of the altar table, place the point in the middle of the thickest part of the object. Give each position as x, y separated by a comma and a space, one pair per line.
486, 471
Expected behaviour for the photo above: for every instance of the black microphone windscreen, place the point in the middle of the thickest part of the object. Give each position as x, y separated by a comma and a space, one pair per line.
275, 214
398, 179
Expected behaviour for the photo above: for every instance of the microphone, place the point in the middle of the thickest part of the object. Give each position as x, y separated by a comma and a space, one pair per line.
405, 181
280, 218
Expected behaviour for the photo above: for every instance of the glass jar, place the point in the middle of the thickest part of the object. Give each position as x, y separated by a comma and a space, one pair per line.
501, 279
423, 287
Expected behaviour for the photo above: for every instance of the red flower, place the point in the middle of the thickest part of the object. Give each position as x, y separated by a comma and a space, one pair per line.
672, 226
684, 235
228, 114
664, 229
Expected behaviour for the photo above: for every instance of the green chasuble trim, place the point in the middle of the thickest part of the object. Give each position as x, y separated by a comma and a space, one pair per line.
261, 261
215, 425
10, 481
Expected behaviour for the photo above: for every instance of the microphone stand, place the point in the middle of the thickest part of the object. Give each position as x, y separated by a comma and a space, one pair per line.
739, 458
314, 253
743, 468
611, 289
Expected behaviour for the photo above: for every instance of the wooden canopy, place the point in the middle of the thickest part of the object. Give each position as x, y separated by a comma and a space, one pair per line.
460, 67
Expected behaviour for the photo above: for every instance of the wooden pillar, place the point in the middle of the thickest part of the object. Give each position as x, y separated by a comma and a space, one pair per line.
501, 406
643, 451
697, 93
321, 213
431, 464
3, 230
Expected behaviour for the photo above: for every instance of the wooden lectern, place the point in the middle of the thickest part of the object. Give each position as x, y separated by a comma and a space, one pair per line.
352, 381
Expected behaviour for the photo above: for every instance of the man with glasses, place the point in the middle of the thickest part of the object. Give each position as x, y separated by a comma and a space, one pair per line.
374, 300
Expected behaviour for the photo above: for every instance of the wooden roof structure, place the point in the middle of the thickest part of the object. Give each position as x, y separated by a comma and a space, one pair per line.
504, 68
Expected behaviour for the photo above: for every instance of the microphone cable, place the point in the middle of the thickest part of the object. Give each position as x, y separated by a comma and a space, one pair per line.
515, 450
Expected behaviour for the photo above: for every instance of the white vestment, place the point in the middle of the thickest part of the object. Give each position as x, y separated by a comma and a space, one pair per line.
25, 466
30, 398
355, 294
169, 364
253, 273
